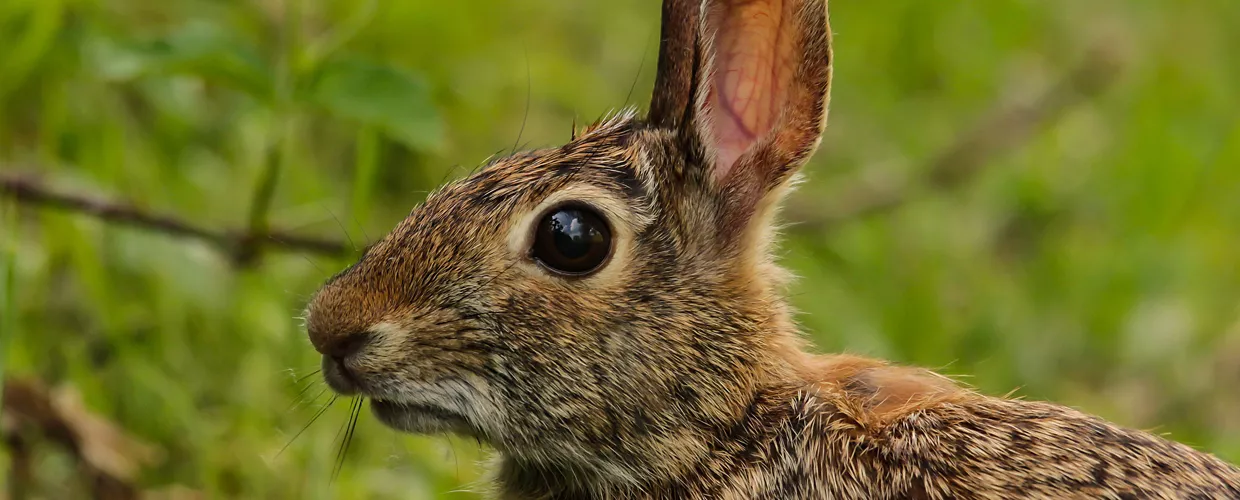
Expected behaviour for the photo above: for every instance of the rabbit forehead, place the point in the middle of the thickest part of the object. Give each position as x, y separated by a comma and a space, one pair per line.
462, 229
605, 158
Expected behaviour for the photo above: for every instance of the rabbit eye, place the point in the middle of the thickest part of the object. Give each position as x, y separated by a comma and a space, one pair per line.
572, 240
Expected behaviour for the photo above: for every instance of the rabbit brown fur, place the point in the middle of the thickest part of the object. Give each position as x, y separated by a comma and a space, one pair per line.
675, 370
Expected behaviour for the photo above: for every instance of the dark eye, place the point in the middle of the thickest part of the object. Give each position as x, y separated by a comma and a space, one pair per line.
572, 239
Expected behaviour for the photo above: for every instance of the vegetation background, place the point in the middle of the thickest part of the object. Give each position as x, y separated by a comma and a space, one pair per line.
1041, 196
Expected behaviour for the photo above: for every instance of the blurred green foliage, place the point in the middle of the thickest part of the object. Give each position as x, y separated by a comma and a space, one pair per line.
1097, 264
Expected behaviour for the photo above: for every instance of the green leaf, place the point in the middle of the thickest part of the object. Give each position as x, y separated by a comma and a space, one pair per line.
395, 100
199, 48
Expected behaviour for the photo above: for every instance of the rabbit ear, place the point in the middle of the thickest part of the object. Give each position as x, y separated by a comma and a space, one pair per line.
675, 77
746, 82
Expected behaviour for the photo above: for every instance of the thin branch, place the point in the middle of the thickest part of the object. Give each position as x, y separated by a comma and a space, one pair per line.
237, 244
1007, 127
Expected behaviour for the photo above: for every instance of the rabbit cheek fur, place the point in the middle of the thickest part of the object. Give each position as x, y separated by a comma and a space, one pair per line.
675, 371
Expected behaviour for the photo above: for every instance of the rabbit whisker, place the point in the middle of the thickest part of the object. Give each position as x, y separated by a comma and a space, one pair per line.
347, 236
448, 173
306, 376
313, 419
362, 228
640, 65
355, 411
526, 116
490, 160
301, 397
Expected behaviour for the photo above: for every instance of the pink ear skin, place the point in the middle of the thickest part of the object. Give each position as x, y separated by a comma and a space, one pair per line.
754, 64
757, 74
764, 104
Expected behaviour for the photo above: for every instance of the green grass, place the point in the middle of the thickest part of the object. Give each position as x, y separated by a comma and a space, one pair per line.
1097, 264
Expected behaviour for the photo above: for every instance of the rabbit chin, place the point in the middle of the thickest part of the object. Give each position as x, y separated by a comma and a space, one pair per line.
449, 406
421, 418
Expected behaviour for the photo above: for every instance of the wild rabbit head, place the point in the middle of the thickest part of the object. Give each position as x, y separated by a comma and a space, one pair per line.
589, 302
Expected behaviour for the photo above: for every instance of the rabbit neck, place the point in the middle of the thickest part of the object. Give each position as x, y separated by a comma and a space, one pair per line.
705, 451
728, 458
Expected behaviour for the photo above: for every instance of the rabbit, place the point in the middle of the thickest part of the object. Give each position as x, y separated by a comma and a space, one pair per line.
607, 315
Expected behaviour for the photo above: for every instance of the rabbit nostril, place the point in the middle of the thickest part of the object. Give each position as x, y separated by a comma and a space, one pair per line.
338, 376
347, 345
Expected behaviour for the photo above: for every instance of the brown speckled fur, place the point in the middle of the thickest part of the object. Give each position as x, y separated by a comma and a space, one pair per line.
676, 371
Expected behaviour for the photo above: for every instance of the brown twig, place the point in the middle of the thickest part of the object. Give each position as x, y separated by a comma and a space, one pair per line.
21, 473
108, 458
1008, 126
240, 245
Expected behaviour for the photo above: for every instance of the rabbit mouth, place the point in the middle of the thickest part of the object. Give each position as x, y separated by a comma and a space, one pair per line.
419, 418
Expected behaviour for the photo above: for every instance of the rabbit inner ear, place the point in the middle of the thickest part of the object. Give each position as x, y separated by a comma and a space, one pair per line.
753, 67
762, 104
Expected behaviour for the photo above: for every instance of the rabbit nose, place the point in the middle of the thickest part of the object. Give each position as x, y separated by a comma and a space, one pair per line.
338, 345
339, 319
344, 346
